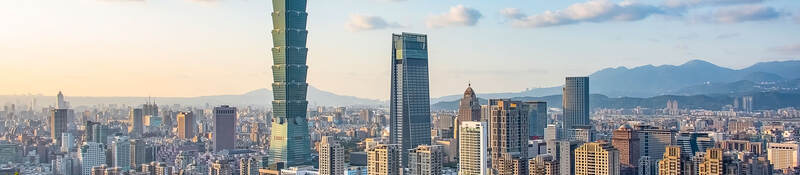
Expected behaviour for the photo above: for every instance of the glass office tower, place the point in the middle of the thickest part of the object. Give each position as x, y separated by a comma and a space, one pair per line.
410, 112
289, 143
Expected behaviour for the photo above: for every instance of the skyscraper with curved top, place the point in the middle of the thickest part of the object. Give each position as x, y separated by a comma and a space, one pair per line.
289, 143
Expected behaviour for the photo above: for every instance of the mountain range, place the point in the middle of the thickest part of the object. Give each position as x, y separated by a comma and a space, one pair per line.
691, 78
762, 101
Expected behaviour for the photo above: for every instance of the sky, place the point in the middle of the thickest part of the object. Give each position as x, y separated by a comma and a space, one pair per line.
185, 48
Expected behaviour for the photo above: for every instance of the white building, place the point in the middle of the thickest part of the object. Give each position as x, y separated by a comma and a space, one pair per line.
473, 152
92, 154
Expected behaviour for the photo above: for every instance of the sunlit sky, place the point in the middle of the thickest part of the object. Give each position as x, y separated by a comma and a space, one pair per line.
182, 48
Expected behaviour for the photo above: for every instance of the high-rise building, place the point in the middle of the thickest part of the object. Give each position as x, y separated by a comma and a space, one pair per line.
712, 163
468, 110
473, 152
96, 132
409, 108
249, 166
150, 109
596, 158
508, 123
121, 152
224, 128
673, 162
58, 124
366, 115
136, 122
576, 102
67, 142
653, 143
564, 151
384, 159
331, 157
289, 143
60, 102
537, 118
551, 134
92, 154
693, 142
783, 156
186, 126
544, 164
426, 160
747, 104
137, 152
626, 140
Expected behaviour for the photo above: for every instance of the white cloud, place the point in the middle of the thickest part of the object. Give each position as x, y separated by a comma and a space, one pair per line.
591, 11
683, 4
745, 13
457, 16
512, 13
362, 22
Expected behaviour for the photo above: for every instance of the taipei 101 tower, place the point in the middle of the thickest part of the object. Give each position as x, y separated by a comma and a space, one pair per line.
289, 142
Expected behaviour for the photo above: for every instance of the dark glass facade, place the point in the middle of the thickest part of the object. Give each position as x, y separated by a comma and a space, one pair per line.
576, 102
410, 114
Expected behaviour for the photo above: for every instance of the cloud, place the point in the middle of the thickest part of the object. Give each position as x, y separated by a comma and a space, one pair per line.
739, 14
457, 16
684, 4
792, 49
362, 22
512, 13
591, 11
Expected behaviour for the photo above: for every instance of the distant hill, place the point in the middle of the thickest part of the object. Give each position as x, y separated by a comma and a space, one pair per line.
761, 100
684, 79
646, 81
259, 97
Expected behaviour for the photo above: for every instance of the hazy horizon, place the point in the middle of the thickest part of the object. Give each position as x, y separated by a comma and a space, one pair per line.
184, 48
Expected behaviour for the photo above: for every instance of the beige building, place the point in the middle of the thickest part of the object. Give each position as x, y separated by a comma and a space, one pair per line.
672, 162
185, 125
509, 137
331, 157
384, 159
712, 163
543, 164
426, 160
783, 156
596, 158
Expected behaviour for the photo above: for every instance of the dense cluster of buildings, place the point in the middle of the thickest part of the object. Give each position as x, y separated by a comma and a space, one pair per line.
493, 136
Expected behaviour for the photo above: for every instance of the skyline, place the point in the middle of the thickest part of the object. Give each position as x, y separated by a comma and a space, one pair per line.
207, 45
